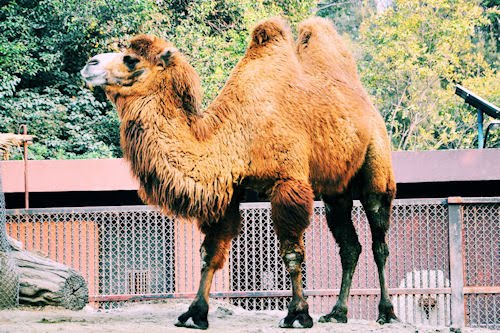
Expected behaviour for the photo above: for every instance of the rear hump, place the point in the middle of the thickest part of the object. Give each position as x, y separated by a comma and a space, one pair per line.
321, 49
270, 31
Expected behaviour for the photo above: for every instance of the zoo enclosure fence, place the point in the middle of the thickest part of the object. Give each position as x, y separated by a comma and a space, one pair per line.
443, 267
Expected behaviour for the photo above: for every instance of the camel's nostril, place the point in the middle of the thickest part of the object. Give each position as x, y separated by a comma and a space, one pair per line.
93, 62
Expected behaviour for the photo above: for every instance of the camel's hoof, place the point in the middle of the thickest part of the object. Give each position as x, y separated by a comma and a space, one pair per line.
191, 324
387, 318
298, 320
386, 314
338, 315
193, 319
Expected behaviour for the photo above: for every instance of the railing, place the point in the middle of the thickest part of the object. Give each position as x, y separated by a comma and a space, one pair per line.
443, 268
482, 106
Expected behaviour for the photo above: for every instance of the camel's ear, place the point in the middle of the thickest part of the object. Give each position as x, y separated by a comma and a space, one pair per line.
167, 55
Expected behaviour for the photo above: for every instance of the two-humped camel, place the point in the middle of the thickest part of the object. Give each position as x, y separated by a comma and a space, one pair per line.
292, 121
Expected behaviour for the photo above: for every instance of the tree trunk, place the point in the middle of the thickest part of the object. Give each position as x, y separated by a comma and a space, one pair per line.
26, 278
43, 281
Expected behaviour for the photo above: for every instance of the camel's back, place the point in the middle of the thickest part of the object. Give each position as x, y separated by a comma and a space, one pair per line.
311, 118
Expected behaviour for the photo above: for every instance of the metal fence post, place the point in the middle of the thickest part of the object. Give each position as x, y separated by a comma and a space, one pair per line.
455, 219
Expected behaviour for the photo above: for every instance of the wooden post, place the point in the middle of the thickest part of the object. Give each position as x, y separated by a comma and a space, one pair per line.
456, 263
25, 150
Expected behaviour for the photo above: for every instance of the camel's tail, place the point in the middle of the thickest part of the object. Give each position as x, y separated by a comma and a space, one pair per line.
270, 31
321, 49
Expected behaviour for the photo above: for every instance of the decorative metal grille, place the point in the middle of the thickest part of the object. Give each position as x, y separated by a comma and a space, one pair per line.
109, 244
482, 263
138, 282
104, 244
255, 263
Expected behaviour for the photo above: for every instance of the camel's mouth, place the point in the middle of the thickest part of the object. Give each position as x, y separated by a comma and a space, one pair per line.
95, 72
93, 79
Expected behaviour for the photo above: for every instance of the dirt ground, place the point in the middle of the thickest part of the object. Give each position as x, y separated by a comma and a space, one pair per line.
150, 318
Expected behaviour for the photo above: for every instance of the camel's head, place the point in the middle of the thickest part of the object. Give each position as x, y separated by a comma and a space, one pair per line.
148, 66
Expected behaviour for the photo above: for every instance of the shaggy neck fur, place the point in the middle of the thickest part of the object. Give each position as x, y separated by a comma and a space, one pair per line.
188, 161
177, 172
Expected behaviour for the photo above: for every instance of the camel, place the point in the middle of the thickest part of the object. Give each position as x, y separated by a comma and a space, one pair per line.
292, 122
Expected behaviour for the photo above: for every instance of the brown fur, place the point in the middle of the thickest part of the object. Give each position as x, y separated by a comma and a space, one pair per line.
291, 121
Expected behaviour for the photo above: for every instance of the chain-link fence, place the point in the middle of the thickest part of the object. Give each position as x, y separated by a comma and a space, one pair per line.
135, 253
9, 277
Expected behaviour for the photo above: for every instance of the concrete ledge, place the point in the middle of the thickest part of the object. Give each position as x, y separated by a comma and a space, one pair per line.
114, 175
447, 165
68, 175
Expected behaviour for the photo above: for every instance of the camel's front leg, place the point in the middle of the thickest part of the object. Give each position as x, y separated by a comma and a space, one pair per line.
214, 250
291, 203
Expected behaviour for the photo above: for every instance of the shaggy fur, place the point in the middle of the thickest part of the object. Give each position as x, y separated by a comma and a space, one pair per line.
292, 121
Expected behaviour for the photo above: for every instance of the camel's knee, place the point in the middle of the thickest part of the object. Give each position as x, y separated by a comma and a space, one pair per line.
214, 253
293, 254
349, 253
378, 211
380, 252
374, 201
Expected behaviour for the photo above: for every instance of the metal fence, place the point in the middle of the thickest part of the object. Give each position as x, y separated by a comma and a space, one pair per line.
443, 267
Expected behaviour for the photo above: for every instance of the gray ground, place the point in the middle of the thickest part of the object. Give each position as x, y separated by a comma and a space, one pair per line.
152, 318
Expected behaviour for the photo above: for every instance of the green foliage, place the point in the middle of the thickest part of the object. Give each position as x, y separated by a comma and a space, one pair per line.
214, 34
414, 52
347, 15
43, 45
72, 127
410, 57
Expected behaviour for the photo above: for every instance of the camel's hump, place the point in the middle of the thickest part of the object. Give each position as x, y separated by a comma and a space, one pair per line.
318, 27
270, 30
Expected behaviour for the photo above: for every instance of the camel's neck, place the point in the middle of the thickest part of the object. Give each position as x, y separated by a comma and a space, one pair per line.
209, 124
176, 170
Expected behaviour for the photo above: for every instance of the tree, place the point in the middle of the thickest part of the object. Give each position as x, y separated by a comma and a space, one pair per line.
413, 54
410, 56
346, 15
43, 45
214, 34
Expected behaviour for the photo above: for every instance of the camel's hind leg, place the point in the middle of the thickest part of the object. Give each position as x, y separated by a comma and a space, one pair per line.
291, 203
378, 210
377, 188
214, 250
338, 215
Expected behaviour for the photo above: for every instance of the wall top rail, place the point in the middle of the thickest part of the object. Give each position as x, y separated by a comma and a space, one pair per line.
476, 200
80, 210
478, 102
246, 205
410, 167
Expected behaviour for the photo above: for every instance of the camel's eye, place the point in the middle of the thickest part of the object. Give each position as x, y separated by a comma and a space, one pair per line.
130, 61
